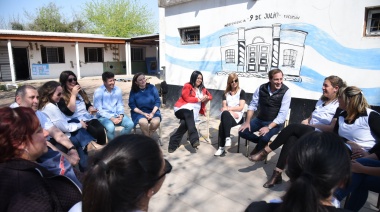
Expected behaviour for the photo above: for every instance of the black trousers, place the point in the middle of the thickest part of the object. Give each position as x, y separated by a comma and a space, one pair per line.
186, 124
226, 123
288, 137
96, 129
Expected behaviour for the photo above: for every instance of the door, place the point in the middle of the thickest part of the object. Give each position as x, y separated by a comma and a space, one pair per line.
20, 57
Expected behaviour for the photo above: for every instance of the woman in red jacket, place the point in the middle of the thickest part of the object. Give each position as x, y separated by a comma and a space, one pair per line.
190, 104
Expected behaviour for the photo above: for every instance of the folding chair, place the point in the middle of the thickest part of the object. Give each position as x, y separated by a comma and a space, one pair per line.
238, 126
286, 123
159, 133
205, 119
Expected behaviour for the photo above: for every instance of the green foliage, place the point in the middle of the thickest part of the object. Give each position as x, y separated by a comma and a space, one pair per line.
120, 18
17, 26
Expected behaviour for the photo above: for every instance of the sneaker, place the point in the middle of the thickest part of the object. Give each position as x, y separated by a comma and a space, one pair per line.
228, 141
219, 152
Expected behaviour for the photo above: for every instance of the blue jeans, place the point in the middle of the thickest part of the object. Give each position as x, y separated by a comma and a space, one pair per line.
256, 125
126, 123
359, 187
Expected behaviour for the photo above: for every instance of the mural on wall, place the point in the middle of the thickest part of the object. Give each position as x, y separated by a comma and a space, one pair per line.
253, 52
252, 46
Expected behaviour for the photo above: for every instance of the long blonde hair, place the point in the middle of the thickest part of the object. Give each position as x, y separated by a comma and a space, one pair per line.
231, 77
354, 101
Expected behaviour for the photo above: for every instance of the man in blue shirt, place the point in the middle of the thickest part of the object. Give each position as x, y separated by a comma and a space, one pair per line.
108, 100
273, 101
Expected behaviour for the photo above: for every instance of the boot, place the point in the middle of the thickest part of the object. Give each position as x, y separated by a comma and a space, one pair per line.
275, 179
260, 156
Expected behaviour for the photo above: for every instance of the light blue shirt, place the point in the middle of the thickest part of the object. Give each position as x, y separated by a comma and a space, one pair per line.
108, 104
285, 104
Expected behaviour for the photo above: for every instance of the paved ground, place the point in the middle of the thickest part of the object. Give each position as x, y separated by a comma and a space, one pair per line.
199, 181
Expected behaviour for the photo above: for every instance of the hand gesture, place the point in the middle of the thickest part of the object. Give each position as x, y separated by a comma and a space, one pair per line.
75, 90
244, 126
84, 124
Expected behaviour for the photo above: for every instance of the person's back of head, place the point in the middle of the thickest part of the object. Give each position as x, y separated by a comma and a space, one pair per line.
122, 173
317, 165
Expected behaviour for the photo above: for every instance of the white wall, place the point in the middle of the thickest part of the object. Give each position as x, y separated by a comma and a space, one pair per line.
87, 69
332, 43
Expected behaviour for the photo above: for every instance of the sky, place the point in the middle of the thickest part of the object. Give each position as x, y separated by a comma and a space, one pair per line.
15, 8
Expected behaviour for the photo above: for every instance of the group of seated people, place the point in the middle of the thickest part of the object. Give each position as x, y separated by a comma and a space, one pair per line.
341, 132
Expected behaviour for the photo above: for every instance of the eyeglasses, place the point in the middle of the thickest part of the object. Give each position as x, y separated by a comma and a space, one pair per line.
167, 170
235, 81
70, 80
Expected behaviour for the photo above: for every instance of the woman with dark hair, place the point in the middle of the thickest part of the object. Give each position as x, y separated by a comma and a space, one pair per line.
75, 104
190, 104
25, 185
233, 103
312, 169
125, 175
50, 94
321, 119
144, 103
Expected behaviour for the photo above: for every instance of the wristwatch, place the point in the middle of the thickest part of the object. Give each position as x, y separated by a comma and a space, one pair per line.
269, 127
73, 147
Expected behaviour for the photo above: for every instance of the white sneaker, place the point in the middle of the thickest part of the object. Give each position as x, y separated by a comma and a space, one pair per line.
219, 152
228, 141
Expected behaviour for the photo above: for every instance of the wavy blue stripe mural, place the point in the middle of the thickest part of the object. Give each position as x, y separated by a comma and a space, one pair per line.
312, 80
319, 40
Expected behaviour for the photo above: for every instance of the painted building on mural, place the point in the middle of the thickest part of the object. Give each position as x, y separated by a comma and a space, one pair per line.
308, 40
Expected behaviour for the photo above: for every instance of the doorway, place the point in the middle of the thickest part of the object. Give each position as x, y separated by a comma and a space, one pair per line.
20, 57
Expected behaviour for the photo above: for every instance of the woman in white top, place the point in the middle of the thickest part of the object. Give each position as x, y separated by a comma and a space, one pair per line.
320, 120
233, 102
50, 94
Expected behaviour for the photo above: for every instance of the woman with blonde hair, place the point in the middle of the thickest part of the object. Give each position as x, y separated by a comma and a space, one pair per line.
233, 102
357, 124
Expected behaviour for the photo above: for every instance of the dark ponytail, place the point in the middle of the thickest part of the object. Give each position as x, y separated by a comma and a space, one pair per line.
312, 169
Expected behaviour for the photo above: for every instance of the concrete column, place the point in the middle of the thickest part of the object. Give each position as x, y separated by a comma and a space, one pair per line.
11, 62
128, 62
77, 59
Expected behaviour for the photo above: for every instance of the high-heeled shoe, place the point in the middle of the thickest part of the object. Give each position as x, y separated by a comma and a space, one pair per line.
260, 156
275, 179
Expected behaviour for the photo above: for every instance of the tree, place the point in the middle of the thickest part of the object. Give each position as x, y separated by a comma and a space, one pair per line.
119, 18
50, 19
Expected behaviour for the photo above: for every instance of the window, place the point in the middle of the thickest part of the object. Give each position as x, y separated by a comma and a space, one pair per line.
53, 55
230, 56
93, 55
290, 56
373, 22
137, 54
190, 35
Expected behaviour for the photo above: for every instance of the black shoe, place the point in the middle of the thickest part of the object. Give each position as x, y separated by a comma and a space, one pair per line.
195, 144
172, 149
